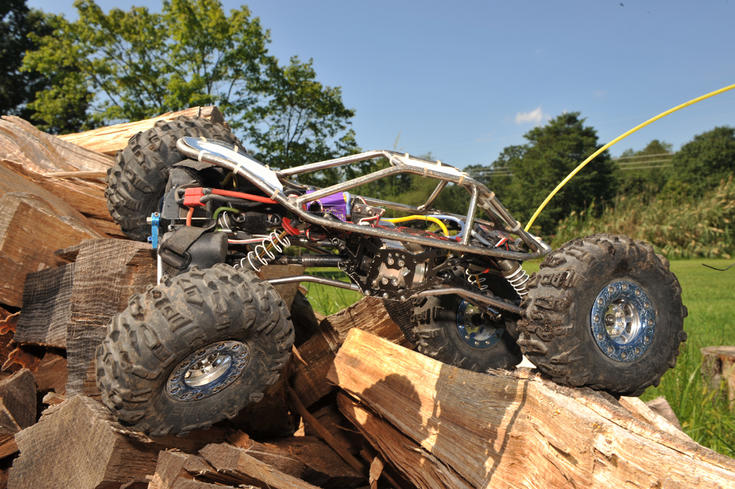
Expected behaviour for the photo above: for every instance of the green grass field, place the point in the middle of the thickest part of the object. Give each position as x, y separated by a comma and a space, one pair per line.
710, 297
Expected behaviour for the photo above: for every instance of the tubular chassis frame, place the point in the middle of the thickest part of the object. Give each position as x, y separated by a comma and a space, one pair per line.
271, 182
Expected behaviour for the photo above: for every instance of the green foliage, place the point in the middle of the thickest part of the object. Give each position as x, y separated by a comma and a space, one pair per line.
300, 117
646, 182
134, 64
677, 226
701, 164
535, 168
19, 28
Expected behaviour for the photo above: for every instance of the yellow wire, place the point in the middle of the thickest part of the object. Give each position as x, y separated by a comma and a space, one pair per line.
616, 140
419, 217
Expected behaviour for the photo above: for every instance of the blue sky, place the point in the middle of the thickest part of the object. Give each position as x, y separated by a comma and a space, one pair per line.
464, 79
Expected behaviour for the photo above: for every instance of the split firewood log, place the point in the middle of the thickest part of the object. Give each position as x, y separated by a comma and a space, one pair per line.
442, 426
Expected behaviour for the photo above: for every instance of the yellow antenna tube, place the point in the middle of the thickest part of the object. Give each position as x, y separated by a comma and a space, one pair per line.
616, 140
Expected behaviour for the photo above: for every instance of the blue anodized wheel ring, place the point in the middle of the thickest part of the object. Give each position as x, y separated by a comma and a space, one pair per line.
475, 335
208, 370
623, 321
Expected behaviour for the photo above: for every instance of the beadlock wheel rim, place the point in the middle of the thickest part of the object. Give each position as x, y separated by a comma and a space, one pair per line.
623, 321
473, 328
208, 370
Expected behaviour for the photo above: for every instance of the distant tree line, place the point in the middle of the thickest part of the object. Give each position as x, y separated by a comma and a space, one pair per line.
103, 68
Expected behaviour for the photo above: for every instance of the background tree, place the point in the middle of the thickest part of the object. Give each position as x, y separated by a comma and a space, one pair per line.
300, 120
135, 64
19, 27
647, 178
701, 164
536, 167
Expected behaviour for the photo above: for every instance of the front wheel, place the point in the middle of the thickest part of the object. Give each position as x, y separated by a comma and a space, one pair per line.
194, 350
604, 312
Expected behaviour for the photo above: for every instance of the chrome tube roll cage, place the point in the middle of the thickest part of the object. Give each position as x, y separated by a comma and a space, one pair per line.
480, 196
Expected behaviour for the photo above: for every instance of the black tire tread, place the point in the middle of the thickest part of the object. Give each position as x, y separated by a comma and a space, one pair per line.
136, 181
432, 338
167, 322
551, 340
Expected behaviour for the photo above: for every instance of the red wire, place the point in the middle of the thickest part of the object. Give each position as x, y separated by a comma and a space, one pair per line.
189, 215
286, 222
241, 195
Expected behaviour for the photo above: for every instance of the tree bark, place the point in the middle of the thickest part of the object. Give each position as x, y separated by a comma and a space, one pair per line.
107, 272
509, 430
70, 306
47, 306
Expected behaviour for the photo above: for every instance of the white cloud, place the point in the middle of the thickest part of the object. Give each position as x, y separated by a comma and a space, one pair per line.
536, 116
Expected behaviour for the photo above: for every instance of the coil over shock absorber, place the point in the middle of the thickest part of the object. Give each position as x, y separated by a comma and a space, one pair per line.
476, 279
515, 275
265, 251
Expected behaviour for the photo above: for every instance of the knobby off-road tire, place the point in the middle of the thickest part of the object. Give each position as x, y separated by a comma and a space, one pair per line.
136, 182
194, 350
453, 331
401, 312
604, 312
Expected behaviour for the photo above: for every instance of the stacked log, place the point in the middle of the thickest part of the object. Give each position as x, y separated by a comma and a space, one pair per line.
66, 168
356, 407
111, 139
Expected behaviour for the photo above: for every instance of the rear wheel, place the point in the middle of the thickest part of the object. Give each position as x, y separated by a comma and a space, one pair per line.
135, 184
194, 350
454, 331
604, 312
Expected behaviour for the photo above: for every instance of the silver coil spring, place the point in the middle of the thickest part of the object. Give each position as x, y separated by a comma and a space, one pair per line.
267, 250
476, 279
518, 279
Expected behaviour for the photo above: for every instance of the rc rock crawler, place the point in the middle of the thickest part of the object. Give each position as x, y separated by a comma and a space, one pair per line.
210, 337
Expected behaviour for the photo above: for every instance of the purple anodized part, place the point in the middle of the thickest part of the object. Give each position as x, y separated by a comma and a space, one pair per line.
337, 205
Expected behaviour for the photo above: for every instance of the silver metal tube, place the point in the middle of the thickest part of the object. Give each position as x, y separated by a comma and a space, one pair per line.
159, 268
341, 187
391, 205
472, 296
470, 221
433, 196
316, 280
291, 204
323, 165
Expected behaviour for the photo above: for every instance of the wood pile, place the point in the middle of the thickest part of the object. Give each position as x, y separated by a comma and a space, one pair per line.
356, 408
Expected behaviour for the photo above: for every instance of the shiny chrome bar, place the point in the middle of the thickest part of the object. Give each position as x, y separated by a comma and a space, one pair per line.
433, 196
323, 165
343, 186
402, 163
316, 280
470, 221
472, 297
